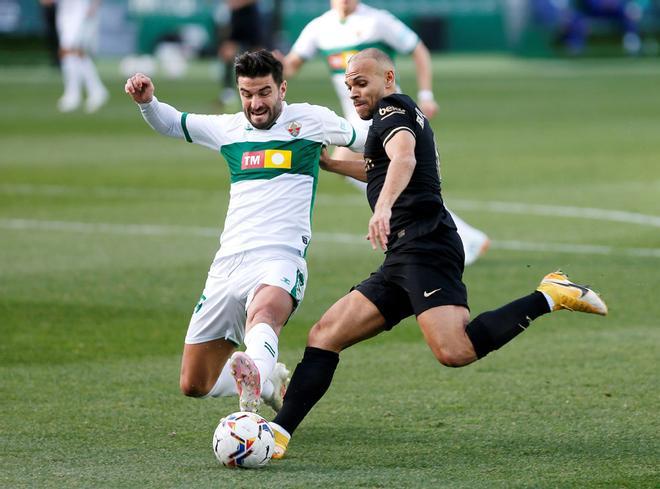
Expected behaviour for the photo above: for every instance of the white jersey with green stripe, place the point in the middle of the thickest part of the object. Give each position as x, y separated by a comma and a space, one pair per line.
338, 40
274, 172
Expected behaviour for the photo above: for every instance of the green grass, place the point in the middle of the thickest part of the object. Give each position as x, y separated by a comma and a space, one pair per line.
92, 319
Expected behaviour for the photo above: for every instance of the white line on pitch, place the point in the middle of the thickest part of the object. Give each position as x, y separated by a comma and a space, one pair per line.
322, 237
556, 211
496, 207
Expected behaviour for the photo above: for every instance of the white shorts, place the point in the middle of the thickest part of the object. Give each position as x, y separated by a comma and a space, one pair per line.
75, 28
230, 287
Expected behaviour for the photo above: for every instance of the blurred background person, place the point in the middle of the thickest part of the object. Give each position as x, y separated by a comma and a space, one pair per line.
76, 28
626, 14
243, 32
575, 21
48, 9
348, 27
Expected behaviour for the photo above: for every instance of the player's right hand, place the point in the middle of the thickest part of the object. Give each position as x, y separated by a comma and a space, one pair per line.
379, 227
140, 88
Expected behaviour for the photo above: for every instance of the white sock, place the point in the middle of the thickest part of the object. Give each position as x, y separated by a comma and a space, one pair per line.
262, 346
90, 76
473, 239
71, 75
463, 228
267, 389
225, 385
551, 302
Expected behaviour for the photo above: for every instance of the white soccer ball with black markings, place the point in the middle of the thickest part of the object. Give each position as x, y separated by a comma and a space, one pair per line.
243, 440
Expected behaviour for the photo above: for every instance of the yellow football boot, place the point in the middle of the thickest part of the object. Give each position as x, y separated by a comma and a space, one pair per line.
281, 440
574, 297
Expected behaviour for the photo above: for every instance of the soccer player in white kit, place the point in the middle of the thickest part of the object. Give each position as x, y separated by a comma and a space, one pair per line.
348, 27
76, 22
259, 274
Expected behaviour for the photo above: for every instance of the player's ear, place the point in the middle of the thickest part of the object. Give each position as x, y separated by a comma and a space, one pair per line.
389, 79
283, 89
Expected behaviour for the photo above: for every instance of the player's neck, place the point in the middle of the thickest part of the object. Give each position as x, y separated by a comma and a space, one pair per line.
343, 14
389, 91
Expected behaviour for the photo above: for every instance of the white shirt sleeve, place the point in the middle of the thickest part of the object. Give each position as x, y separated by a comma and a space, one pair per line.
162, 118
338, 131
399, 36
205, 130
306, 46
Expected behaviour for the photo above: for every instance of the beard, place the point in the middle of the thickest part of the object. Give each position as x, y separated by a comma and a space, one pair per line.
270, 113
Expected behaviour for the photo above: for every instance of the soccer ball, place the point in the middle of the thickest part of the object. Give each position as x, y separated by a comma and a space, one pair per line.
243, 440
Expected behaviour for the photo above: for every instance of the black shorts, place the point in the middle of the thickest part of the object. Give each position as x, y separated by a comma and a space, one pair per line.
419, 275
246, 26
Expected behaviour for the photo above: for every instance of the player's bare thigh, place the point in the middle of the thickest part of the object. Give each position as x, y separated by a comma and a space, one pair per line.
351, 319
271, 305
444, 331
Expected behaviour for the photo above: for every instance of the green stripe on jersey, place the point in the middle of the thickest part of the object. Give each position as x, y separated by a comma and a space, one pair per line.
266, 160
352, 138
184, 116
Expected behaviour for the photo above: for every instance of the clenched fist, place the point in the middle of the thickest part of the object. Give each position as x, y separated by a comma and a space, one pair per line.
140, 88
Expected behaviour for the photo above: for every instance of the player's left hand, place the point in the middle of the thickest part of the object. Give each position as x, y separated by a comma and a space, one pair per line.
379, 227
324, 159
429, 107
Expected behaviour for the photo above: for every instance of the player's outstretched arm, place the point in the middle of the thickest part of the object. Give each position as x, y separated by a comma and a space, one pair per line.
162, 117
140, 88
349, 168
292, 63
425, 98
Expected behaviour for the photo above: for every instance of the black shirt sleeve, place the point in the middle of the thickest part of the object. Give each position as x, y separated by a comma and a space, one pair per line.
391, 116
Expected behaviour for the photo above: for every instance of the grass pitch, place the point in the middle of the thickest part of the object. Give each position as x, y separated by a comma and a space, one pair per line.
107, 230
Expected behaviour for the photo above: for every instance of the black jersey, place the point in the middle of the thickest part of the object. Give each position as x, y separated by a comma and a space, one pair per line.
419, 209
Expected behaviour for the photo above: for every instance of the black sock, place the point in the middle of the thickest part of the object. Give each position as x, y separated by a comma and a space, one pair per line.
309, 382
493, 329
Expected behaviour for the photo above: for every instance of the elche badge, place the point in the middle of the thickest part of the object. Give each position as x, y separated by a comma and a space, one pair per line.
294, 128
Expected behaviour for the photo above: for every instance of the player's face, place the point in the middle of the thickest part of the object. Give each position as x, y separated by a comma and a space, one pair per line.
344, 7
261, 99
367, 84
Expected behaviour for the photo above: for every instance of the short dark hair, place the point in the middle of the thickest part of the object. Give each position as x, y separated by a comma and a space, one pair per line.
258, 63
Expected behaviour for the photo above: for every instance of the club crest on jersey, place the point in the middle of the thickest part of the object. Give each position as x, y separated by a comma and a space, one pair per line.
269, 158
294, 128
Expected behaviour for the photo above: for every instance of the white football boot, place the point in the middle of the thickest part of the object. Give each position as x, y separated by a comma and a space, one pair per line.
280, 379
96, 100
248, 381
68, 102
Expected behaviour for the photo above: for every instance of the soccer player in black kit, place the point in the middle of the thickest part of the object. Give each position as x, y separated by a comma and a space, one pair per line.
423, 266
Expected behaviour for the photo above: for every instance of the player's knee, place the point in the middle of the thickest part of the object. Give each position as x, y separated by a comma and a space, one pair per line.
449, 358
321, 336
316, 334
191, 388
452, 355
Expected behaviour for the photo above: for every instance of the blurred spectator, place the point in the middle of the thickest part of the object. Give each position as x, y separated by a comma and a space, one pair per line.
76, 29
242, 32
48, 10
574, 20
627, 14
